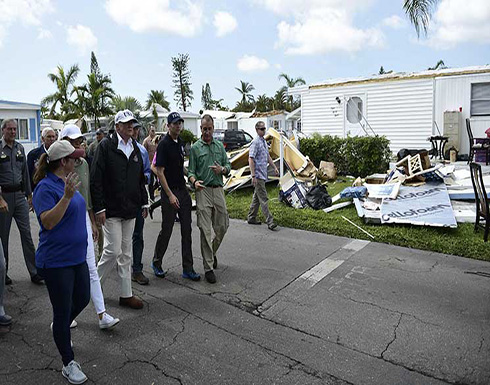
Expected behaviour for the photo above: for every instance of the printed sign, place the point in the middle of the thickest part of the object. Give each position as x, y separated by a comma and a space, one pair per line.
426, 205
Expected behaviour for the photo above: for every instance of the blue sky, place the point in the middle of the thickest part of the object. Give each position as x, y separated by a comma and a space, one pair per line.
228, 41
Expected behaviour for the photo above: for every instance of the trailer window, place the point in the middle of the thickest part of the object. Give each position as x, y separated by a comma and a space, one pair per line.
480, 99
354, 109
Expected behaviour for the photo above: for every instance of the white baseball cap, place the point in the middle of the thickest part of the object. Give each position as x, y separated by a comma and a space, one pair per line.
62, 149
124, 116
71, 131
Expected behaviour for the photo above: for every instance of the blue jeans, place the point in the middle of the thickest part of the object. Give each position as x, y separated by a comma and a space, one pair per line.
69, 293
138, 242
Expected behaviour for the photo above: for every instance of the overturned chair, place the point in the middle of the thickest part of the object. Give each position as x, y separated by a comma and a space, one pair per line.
481, 198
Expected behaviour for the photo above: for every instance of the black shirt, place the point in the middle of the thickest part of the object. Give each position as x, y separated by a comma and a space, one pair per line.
170, 155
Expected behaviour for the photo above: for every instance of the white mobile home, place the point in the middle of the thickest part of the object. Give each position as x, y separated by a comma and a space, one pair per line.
406, 108
28, 118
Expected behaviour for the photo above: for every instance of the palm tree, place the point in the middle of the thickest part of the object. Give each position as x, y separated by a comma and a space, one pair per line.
97, 93
155, 96
119, 103
439, 65
64, 84
419, 12
290, 83
245, 90
263, 103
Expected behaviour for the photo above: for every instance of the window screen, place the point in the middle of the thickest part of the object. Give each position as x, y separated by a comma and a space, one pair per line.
354, 108
22, 129
480, 99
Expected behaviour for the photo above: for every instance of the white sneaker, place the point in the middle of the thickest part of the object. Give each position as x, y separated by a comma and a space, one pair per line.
73, 373
107, 321
73, 324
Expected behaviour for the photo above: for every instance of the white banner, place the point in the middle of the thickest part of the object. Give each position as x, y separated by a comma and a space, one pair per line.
426, 205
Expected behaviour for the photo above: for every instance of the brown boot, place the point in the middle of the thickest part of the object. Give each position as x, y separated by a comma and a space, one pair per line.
140, 278
132, 302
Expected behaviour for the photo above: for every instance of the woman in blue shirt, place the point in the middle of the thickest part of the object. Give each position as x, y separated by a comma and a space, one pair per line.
61, 254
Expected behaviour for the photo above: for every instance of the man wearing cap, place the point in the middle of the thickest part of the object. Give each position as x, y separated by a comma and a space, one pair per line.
15, 188
138, 241
208, 163
151, 146
99, 135
175, 198
48, 136
117, 184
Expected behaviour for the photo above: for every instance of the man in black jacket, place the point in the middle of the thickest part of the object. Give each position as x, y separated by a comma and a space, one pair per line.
117, 184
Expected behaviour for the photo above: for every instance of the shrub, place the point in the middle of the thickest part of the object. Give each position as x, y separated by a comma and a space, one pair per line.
357, 156
187, 136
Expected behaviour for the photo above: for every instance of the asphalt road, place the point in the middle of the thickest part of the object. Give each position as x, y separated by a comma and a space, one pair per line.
290, 307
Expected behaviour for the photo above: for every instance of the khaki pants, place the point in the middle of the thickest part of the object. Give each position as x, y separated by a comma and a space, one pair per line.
260, 200
211, 215
118, 249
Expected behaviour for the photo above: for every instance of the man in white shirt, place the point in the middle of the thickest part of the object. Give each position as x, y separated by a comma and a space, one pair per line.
117, 184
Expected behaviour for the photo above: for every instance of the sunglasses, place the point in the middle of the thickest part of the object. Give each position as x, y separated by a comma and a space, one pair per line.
261, 128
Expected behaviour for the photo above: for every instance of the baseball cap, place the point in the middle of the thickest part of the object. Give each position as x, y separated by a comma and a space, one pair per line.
124, 116
62, 149
72, 131
136, 124
100, 131
174, 117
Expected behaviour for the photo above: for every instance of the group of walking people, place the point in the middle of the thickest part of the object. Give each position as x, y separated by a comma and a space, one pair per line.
72, 201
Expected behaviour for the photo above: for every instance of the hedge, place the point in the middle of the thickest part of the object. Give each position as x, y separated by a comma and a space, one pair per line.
357, 156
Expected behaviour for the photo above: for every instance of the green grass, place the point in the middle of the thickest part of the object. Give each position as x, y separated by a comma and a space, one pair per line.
461, 241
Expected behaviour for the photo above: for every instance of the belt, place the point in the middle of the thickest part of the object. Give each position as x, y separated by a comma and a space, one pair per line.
213, 186
11, 188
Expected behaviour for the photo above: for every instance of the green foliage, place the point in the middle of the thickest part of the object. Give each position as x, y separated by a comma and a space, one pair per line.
187, 136
419, 12
182, 81
461, 241
357, 156
155, 96
290, 102
245, 91
64, 82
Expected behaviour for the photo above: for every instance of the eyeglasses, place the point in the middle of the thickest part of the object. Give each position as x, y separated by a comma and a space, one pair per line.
261, 128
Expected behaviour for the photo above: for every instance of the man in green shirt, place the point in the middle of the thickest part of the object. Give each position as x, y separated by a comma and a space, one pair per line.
208, 163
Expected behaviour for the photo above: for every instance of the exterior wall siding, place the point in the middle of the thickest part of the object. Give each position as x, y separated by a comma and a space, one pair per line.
33, 122
453, 93
400, 110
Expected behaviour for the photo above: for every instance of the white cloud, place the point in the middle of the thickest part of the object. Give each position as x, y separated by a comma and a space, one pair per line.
44, 34
25, 12
81, 37
460, 21
278, 66
156, 15
395, 22
321, 26
224, 23
250, 63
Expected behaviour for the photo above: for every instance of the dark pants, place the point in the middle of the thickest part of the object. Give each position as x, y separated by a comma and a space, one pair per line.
69, 292
151, 186
168, 219
138, 242
18, 210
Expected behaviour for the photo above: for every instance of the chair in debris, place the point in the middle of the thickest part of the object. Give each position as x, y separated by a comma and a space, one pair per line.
474, 146
482, 202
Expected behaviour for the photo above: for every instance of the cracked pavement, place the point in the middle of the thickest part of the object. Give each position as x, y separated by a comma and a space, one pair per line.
385, 315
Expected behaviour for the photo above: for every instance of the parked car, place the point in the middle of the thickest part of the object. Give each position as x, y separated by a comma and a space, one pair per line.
232, 139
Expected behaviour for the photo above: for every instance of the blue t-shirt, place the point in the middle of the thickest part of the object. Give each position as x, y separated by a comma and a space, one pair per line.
66, 243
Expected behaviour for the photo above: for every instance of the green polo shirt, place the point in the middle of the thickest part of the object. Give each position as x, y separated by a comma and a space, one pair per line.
204, 155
